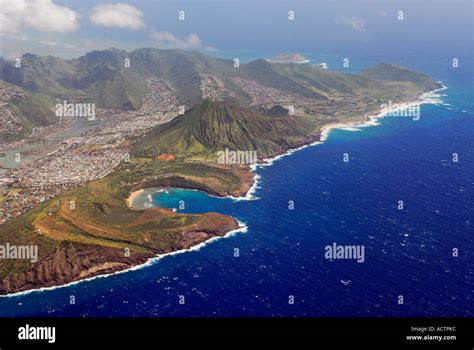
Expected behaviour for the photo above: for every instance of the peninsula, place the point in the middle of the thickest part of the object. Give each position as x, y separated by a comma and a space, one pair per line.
70, 196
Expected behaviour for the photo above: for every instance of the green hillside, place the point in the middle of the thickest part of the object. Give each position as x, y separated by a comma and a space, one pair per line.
213, 126
394, 72
102, 77
92, 237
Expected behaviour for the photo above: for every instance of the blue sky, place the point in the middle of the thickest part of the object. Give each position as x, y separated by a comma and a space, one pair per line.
428, 26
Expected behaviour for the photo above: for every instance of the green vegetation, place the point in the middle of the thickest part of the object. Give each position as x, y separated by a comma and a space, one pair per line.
213, 126
86, 230
393, 72
104, 78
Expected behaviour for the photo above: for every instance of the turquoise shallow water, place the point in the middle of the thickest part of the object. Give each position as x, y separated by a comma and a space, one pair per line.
407, 253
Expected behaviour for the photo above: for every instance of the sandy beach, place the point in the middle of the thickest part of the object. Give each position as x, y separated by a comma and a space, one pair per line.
366, 120
132, 197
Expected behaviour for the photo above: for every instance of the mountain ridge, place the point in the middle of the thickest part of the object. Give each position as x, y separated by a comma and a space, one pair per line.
102, 77
214, 125
265, 107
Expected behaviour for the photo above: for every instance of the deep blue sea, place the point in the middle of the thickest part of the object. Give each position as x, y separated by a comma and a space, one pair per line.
408, 252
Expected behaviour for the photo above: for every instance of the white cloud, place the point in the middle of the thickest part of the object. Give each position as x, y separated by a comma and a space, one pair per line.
48, 42
19, 37
117, 15
14, 46
41, 15
169, 40
358, 24
10, 15
211, 48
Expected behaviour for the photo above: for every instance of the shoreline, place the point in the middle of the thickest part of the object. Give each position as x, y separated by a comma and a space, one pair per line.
365, 121
243, 228
133, 195
324, 131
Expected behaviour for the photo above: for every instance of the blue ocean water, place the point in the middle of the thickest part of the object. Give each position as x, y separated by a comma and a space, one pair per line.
407, 253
